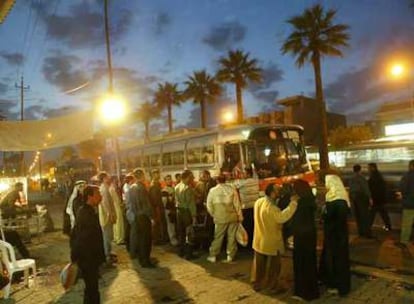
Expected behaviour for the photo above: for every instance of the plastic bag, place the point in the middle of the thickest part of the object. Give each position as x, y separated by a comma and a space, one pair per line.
69, 275
4, 276
241, 236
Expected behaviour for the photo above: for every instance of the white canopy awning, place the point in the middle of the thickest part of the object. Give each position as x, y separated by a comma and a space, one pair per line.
33, 135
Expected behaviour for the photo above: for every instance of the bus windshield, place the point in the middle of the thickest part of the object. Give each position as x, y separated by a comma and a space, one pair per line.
277, 152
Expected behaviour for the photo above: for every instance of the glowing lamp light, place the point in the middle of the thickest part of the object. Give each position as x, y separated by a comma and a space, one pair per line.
397, 70
113, 109
267, 152
228, 116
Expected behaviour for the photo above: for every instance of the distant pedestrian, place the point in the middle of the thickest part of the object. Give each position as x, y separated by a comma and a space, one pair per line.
248, 188
129, 180
224, 206
158, 213
407, 191
119, 228
361, 200
87, 249
107, 215
168, 197
185, 200
203, 187
140, 219
334, 268
303, 227
378, 189
177, 177
268, 242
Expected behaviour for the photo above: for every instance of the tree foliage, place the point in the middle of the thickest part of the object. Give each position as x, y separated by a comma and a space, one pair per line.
238, 68
315, 35
165, 97
92, 149
343, 136
202, 88
147, 112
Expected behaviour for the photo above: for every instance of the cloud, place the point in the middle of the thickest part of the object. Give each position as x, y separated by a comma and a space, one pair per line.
63, 71
83, 25
12, 58
265, 91
162, 21
215, 112
225, 35
3, 88
8, 109
34, 112
56, 112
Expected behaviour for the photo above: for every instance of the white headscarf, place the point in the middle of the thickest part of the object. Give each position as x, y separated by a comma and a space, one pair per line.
336, 189
69, 207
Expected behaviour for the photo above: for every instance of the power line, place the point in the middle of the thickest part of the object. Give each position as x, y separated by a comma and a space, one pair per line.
45, 38
25, 37
29, 41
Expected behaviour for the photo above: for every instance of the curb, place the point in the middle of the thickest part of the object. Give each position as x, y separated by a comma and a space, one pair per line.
376, 272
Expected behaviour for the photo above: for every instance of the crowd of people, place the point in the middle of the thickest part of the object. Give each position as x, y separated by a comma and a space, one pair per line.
141, 213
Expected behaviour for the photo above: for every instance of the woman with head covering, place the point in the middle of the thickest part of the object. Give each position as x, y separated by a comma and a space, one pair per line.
334, 264
303, 228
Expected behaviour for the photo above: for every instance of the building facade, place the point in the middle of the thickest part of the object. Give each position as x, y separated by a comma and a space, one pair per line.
304, 111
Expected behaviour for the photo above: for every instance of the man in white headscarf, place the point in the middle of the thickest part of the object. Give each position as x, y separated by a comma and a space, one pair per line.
75, 201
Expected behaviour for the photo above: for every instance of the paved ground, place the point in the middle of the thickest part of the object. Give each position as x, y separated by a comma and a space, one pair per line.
179, 281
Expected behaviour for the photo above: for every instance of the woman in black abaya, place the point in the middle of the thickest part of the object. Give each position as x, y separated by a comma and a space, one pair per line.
304, 234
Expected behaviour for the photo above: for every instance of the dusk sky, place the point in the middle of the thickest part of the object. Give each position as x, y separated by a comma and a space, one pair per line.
58, 46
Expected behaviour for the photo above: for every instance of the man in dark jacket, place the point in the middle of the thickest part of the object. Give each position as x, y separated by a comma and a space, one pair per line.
87, 249
407, 191
361, 199
155, 195
378, 189
141, 215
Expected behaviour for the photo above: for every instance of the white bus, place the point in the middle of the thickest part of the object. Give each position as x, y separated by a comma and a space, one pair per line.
275, 152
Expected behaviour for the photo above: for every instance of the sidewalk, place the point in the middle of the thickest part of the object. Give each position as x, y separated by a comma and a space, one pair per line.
176, 280
382, 273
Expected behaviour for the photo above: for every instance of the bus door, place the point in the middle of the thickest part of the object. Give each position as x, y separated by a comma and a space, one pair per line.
232, 157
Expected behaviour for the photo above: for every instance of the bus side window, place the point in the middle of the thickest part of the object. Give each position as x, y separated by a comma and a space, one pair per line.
208, 155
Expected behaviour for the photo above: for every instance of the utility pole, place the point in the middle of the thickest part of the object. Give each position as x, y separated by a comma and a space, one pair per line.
111, 88
40, 170
22, 89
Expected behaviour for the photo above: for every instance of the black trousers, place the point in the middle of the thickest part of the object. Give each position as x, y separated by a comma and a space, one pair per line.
361, 210
184, 221
144, 239
14, 239
334, 268
90, 274
127, 231
383, 213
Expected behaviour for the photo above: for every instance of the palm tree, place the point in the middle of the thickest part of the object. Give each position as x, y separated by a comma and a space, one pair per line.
166, 96
202, 88
314, 35
145, 114
239, 69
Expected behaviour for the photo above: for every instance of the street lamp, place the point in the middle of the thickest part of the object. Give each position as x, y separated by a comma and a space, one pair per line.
228, 117
113, 112
397, 70
113, 109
